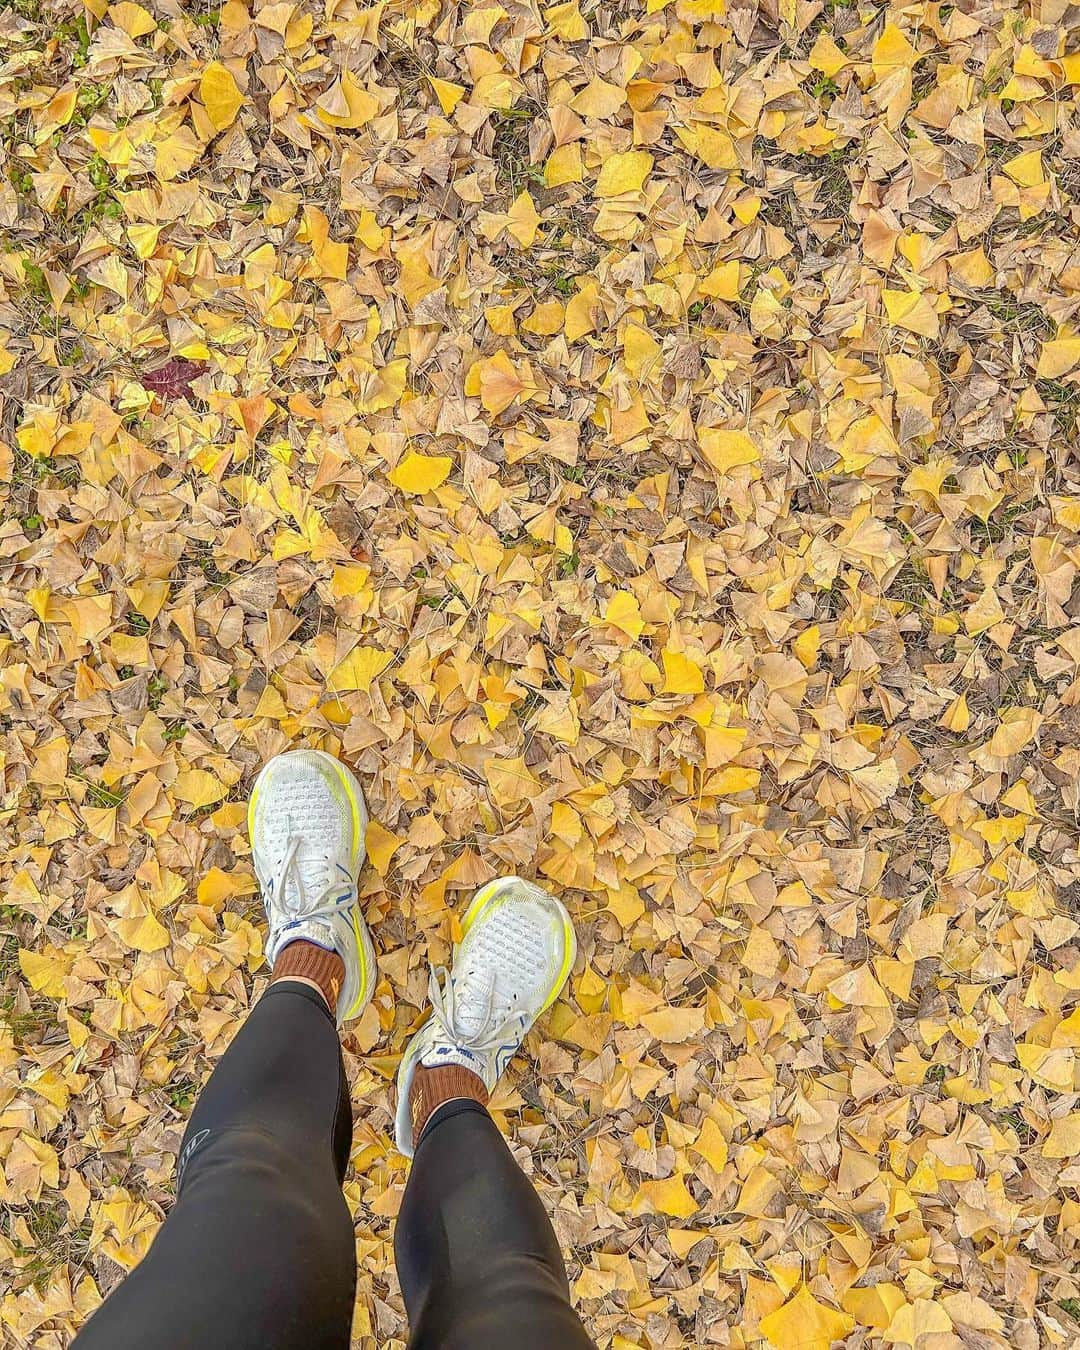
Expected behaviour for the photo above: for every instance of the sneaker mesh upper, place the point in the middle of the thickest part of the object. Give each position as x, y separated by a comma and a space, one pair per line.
512, 947
296, 799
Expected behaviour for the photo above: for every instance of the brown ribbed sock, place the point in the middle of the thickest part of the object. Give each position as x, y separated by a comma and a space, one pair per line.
432, 1088
306, 961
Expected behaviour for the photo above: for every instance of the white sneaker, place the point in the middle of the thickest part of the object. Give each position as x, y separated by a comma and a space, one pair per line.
307, 821
517, 950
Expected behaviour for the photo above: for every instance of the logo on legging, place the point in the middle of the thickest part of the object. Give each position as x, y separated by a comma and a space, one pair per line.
185, 1157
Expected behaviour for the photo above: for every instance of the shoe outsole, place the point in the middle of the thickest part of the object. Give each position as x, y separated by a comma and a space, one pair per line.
354, 795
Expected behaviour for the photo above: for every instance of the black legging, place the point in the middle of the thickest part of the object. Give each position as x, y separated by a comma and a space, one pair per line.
258, 1252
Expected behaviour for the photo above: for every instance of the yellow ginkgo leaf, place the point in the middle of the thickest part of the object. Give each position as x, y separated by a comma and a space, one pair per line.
674, 1024
496, 381
564, 165
358, 669
448, 94
198, 788
911, 310
133, 19
624, 173
178, 153
1063, 1141
38, 434
681, 674
892, 51
419, 473
669, 1195
599, 99
722, 283
218, 886
566, 21
807, 645
957, 716
727, 449
382, 844
1025, 170
48, 1084
1017, 728
143, 934
347, 104
827, 57
511, 780
220, 94
875, 1305
522, 220
1058, 357
624, 612
144, 239
911, 1322
805, 1324
711, 1145
45, 969
276, 17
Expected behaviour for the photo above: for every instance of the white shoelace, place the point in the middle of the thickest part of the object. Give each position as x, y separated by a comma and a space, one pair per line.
495, 1030
316, 897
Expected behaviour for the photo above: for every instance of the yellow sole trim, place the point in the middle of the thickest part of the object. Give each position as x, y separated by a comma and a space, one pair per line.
365, 972
344, 778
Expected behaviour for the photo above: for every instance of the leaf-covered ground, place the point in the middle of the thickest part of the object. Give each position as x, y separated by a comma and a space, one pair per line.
641, 438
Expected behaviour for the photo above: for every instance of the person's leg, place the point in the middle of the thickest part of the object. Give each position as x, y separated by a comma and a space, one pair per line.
258, 1250
479, 1263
